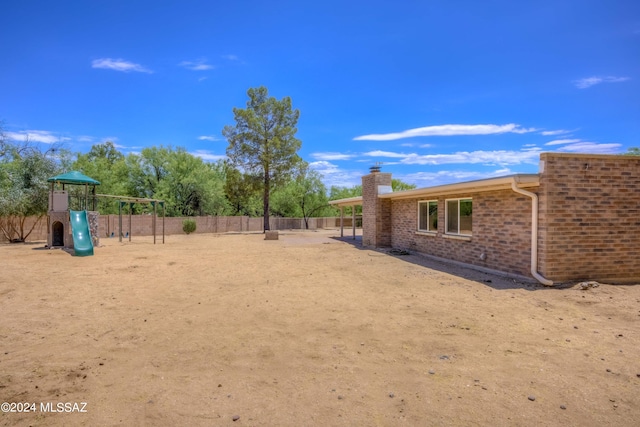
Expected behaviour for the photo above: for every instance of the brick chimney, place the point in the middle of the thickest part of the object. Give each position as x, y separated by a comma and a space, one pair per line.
376, 213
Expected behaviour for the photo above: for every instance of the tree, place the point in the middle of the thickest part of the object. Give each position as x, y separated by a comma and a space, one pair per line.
150, 170
398, 185
304, 196
191, 186
24, 170
241, 190
107, 165
187, 184
633, 151
107, 151
337, 193
263, 142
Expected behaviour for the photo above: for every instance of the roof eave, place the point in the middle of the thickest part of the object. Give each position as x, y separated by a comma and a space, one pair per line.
352, 201
490, 184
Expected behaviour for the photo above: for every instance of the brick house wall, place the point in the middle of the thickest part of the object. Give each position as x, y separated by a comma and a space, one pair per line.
589, 217
501, 238
588, 229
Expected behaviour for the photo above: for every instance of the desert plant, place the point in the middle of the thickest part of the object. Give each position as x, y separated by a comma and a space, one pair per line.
188, 226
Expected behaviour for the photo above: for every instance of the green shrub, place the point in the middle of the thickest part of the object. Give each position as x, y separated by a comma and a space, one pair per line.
188, 226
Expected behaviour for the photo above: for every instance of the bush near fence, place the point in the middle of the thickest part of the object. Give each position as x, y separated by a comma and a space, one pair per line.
141, 225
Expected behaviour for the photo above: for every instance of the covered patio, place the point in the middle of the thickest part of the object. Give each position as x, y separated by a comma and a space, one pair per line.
343, 203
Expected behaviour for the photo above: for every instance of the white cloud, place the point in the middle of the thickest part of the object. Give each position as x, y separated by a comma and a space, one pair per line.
231, 57
208, 155
562, 141
95, 140
591, 81
580, 146
380, 153
209, 138
409, 144
324, 167
41, 136
447, 130
119, 65
334, 175
332, 156
431, 179
499, 157
199, 65
592, 148
531, 147
556, 132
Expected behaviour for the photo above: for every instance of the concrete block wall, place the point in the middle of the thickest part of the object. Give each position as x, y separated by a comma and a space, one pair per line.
501, 238
38, 225
376, 213
142, 225
590, 217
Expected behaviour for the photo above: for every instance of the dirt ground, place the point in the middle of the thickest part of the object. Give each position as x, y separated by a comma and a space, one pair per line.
306, 330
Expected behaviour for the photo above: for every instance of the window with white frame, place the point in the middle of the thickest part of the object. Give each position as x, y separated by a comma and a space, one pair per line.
459, 214
428, 216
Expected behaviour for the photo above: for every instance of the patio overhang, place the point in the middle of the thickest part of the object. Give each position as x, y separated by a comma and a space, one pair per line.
351, 201
344, 203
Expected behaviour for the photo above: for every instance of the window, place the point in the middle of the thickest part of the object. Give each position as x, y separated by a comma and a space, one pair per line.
428, 216
459, 213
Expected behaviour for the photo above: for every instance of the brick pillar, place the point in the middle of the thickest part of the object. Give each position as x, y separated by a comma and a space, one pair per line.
376, 213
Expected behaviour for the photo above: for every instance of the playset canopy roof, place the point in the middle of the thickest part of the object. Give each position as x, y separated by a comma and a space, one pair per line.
73, 177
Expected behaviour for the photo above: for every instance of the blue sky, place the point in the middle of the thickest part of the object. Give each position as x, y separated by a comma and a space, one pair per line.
438, 91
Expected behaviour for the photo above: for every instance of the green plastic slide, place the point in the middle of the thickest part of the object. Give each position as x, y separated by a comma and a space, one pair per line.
82, 243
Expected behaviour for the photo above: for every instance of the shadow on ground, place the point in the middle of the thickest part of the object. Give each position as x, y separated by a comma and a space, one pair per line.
492, 280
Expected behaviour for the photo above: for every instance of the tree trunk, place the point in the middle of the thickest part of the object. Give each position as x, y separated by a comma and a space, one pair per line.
36, 222
304, 215
265, 199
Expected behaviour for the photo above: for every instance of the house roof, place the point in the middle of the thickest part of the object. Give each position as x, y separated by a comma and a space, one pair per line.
490, 184
73, 177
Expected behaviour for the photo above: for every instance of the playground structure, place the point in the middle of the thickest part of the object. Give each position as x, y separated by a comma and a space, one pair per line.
124, 200
79, 229
70, 228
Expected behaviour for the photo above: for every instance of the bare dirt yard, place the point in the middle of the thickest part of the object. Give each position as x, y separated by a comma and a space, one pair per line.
306, 330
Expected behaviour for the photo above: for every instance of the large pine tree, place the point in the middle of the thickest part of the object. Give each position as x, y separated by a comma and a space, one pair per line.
263, 141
